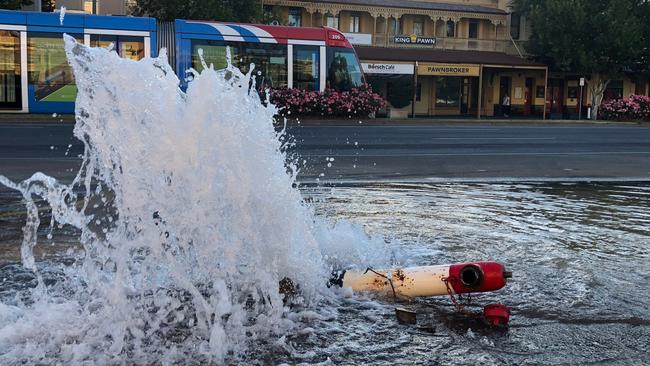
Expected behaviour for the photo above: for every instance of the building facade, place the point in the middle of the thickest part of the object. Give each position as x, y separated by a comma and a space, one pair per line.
99, 7
433, 58
451, 58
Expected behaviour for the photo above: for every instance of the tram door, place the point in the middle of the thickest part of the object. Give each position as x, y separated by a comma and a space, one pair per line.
10, 83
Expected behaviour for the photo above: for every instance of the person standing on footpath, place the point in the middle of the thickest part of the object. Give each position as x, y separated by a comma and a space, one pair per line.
505, 106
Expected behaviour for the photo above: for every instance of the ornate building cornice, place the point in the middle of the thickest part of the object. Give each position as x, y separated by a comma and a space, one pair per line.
386, 12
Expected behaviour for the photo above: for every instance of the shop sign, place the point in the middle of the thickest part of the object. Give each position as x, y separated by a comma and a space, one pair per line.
387, 68
413, 39
449, 70
361, 39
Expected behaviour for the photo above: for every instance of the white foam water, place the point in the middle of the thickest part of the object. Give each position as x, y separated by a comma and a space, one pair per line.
188, 219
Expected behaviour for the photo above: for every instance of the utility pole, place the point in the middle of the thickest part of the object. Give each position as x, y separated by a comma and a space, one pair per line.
95, 7
582, 85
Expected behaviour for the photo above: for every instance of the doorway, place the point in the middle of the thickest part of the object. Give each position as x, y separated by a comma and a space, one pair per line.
555, 98
469, 96
504, 88
529, 107
10, 75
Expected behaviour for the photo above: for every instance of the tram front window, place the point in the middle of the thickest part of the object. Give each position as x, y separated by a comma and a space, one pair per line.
344, 71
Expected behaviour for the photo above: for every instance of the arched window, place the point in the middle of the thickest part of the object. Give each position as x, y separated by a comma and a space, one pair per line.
451, 28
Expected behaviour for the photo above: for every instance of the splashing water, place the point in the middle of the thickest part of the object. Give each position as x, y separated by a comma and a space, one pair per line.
188, 220
62, 14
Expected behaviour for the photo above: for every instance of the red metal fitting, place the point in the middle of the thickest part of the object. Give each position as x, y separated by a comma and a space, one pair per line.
477, 277
497, 315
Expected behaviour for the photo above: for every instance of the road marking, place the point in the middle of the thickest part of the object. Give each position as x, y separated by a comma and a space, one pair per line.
24, 158
487, 154
434, 180
494, 138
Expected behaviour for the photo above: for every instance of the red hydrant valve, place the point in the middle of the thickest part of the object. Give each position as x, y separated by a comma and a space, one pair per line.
497, 315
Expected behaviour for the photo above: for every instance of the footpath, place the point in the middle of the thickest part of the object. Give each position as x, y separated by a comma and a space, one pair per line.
54, 119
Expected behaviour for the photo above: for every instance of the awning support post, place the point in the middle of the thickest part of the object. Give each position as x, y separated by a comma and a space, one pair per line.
480, 92
415, 90
545, 92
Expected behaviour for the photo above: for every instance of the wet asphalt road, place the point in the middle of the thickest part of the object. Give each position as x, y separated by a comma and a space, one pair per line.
359, 152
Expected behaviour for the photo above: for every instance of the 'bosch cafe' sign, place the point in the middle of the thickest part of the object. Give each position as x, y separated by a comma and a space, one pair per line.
413, 39
388, 68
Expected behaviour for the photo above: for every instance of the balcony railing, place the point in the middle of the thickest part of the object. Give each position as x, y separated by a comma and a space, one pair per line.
448, 43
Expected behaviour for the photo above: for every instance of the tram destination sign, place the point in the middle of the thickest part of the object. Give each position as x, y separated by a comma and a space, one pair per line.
413, 39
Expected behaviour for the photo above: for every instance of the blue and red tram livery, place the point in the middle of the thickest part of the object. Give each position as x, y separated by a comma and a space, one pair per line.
36, 78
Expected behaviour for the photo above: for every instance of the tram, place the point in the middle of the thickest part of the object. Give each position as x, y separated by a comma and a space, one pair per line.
35, 76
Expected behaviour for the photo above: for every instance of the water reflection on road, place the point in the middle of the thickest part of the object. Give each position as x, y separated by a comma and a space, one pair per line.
579, 252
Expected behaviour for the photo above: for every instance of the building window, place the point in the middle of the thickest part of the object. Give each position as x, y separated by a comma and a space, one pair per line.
126, 46
614, 90
88, 6
295, 17
473, 29
451, 28
332, 21
355, 23
395, 26
448, 92
515, 21
418, 26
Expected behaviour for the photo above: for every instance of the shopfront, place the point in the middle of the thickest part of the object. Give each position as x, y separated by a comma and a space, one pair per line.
393, 81
458, 83
447, 89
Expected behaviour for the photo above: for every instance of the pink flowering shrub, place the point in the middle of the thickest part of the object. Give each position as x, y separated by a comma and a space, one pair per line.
358, 102
634, 108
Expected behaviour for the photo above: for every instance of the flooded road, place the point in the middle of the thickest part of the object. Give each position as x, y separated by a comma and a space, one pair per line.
579, 253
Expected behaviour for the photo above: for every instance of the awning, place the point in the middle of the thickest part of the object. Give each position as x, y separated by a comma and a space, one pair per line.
487, 59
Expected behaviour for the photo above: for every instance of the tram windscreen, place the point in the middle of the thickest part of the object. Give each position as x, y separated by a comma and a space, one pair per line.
343, 69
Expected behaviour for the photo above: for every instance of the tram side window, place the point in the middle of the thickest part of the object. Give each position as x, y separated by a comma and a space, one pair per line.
10, 87
343, 70
128, 47
214, 53
306, 67
270, 60
48, 68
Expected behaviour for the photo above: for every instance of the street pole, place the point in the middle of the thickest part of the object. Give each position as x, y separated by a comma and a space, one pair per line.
582, 85
95, 7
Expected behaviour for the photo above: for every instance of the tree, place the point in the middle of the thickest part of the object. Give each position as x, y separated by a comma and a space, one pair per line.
273, 15
14, 4
48, 6
245, 11
599, 39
